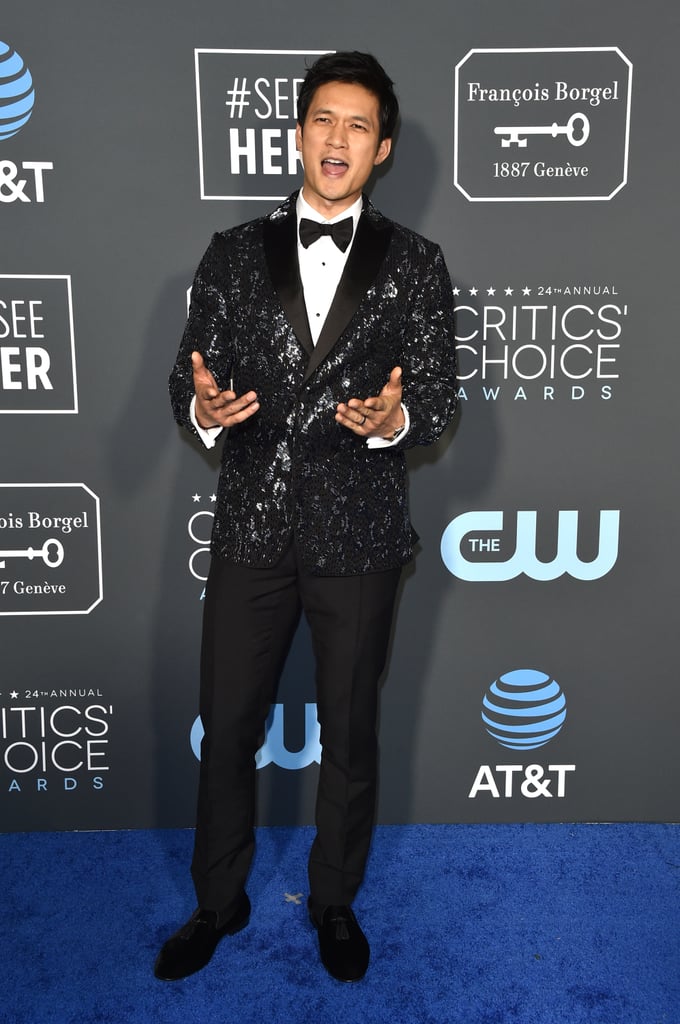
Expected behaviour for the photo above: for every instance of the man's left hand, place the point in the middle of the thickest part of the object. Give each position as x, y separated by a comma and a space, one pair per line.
378, 416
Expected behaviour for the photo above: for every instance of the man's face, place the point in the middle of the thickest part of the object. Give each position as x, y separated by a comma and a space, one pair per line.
339, 145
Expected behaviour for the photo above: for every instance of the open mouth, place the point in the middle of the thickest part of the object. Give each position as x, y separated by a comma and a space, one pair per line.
333, 167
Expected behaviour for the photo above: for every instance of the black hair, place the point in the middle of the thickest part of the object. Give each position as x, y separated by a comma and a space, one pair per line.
358, 69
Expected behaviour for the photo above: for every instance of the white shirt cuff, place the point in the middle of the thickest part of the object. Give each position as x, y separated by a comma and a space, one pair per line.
382, 442
208, 435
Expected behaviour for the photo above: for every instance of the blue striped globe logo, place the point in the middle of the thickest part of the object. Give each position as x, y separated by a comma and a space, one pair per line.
17, 95
524, 709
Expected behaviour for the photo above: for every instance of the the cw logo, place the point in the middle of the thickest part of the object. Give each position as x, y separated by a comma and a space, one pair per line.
468, 526
274, 750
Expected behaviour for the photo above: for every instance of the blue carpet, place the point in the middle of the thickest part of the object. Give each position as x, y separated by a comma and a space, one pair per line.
469, 924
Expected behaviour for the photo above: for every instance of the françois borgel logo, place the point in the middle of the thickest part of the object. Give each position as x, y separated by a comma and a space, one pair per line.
539, 125
247, 110
50, 549
23, 181
37, 346
477, 547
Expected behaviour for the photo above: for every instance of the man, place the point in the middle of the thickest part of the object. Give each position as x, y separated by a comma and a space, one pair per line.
321, 336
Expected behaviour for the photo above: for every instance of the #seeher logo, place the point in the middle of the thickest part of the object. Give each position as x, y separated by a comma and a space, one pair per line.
524, 709
17, 95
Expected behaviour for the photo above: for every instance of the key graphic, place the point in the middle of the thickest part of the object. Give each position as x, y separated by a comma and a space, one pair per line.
51, 560
577, 130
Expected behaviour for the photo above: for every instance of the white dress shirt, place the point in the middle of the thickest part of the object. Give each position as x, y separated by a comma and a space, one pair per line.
322, 264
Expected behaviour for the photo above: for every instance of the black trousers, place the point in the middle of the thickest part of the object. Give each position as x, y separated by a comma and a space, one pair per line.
250, 616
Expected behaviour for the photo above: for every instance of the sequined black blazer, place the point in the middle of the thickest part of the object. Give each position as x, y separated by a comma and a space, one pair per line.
291, 468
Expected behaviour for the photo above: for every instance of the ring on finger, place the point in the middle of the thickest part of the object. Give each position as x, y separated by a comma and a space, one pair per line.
363, 420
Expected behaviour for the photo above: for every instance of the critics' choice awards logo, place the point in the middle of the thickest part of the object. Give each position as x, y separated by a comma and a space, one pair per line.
247, 112
522, 710
199, 530
479, 547
50, 549
542, 125
37, 345
23, 181
54, 739
550, 343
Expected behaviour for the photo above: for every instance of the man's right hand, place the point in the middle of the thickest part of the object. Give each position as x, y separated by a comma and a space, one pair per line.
215, 408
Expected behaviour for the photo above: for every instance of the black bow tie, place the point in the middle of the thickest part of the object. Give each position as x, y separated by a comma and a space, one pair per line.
341, 232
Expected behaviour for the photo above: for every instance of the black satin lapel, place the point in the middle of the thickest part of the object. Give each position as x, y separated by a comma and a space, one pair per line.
280, 248
363, 263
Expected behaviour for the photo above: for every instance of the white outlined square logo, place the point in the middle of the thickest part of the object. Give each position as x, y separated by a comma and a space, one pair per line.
50, 549
37, 345
542, 125
246, 106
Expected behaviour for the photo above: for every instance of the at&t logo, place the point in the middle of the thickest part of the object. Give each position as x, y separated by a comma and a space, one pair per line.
22, 181
17, 94
523, 710
508, 780
30, 189
469, 535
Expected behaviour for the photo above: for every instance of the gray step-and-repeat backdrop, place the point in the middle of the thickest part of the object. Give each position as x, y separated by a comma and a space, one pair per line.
532, 673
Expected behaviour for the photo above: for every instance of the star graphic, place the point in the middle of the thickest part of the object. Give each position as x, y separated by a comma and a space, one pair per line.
508, 291
14, 694
473, 291
490, 291
456, 291
195, 497
213, 497
526, 291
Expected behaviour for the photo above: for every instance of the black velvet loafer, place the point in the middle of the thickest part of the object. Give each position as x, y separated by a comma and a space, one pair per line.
192, 947
343, 946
